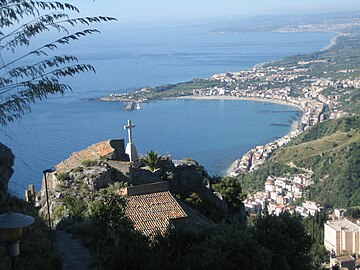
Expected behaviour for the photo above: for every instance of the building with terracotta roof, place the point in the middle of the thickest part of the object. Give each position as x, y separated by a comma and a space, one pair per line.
154, 210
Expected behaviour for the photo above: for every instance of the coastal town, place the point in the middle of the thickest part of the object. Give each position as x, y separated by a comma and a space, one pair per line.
315, 99
243, 169
316, 93
279, 195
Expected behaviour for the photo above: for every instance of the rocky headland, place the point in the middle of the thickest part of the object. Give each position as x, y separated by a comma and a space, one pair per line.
85, 173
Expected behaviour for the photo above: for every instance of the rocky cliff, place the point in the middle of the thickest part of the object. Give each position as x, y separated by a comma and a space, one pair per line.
6, 162
86, 172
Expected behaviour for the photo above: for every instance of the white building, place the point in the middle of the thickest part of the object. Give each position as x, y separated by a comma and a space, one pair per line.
342, 235
312, 207
339, 213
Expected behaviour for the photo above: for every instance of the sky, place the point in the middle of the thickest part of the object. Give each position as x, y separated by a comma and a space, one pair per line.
162, 10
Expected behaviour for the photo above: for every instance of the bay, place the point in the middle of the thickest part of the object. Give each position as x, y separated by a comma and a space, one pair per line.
211, 132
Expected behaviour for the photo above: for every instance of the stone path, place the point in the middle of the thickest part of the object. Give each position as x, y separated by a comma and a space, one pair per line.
74, 255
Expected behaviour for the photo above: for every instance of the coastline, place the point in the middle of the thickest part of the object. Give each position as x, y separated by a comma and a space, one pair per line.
250, 159
268, 100
332, 42
237, 166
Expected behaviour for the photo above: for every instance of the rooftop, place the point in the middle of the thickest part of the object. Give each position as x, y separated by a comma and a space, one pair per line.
152, 213
153, 209
343, 225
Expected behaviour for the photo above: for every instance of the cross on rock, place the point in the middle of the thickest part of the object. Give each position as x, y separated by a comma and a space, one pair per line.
129, 127
130, 147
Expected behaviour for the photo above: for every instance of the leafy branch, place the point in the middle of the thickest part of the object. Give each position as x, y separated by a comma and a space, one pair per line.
20, 22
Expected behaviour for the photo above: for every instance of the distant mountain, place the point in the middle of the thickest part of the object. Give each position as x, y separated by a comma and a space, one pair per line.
273, 22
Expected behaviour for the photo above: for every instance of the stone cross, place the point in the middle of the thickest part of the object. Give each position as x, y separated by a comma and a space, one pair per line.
130, 147
129, 127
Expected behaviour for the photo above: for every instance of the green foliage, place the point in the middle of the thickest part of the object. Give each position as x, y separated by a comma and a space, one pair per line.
100, 223
152, 160
314, 226
194, 201
78, 169
21, 82
327, 128
338, 177
34, 245
88, 162
108, 210
75, 208
331, 150
231, 191
354, 212
172, 90
229, 247
287, 240
270, 243
58, 212
62, 176
256, 179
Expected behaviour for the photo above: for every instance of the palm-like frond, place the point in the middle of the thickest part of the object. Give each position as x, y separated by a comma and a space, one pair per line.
20, 22
151, 159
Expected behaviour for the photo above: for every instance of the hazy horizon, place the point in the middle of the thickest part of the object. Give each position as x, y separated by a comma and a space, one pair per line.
161, 10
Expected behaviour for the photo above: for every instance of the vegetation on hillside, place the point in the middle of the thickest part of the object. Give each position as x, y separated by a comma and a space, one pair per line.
271, 242
35, 248
29, 73
331, 150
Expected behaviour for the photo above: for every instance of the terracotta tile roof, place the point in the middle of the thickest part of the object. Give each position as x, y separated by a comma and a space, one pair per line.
152, 213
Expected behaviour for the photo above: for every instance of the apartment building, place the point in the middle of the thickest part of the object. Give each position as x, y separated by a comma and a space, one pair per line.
342, 236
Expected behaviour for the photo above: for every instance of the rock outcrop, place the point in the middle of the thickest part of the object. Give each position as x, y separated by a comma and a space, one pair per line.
86, 172
6, 163
189, 179
83, 174
107, 150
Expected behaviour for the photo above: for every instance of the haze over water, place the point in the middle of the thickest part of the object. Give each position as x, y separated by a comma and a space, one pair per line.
211, 132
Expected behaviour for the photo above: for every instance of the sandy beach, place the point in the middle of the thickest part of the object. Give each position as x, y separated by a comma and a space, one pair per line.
294, 125
241, 98
333, 41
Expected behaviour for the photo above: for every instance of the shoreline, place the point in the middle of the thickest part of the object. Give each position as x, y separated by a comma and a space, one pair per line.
233, 169
333, 41
267, 100
294, 124
296, 127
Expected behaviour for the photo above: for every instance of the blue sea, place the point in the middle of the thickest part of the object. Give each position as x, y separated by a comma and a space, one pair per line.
213, 132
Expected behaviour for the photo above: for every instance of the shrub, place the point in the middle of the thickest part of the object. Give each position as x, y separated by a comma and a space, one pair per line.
62, 176
88, 162
78, 169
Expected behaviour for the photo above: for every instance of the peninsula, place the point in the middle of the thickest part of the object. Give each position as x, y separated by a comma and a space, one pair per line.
322, 85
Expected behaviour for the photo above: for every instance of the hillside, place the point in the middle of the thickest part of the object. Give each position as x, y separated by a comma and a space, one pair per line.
331, 150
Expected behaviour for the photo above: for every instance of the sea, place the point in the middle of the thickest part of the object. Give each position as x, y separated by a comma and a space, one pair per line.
128, 57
